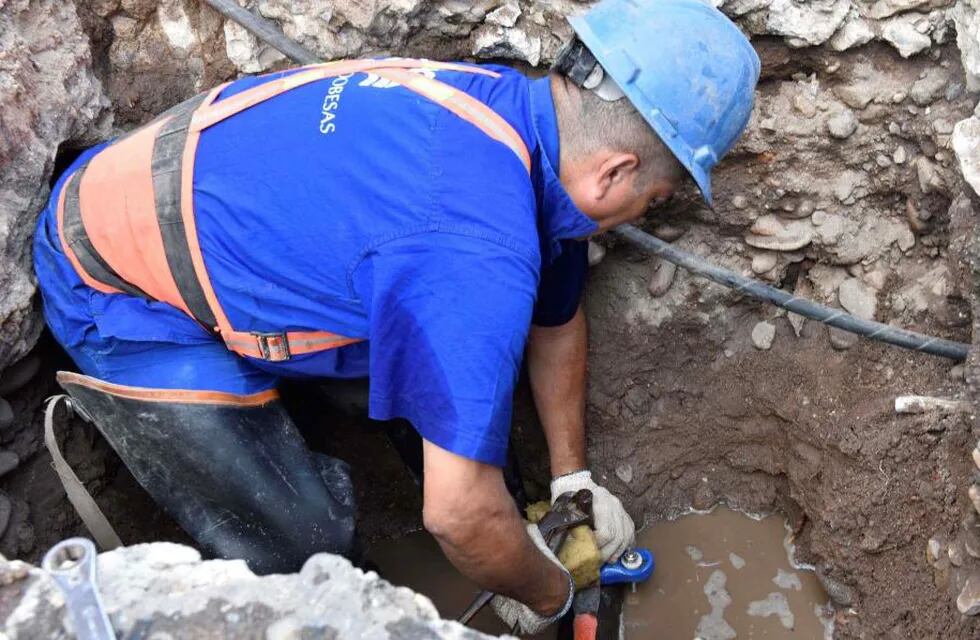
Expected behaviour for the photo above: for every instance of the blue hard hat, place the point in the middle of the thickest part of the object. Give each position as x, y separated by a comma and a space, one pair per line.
686, 68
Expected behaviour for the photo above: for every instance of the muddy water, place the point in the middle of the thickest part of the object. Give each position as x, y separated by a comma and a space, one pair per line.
719, 576
723, 575
416, 561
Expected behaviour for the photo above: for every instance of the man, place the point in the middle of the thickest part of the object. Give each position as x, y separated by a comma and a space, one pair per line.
407, 221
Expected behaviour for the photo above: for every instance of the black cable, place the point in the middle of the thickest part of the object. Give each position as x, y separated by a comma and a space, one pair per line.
801, 306
266, 30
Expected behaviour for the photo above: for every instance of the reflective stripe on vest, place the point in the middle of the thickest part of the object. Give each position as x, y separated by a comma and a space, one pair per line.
126, 218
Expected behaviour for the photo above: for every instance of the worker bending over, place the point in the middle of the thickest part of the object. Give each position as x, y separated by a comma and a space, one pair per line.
417, 223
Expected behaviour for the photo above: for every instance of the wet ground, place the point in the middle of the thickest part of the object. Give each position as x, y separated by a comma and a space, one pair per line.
723, 575
720, 575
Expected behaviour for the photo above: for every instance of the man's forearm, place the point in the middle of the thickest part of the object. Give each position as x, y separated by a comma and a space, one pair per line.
557, 367
468, 510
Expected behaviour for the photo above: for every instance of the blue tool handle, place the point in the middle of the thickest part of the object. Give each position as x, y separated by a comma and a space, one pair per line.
617, 573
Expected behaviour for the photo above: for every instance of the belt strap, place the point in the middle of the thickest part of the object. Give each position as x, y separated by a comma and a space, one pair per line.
86, 507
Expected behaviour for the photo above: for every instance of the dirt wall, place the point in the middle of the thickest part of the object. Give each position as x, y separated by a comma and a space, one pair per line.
851, 187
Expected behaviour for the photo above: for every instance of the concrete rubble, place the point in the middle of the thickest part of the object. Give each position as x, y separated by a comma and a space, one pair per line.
855, 185
161, 590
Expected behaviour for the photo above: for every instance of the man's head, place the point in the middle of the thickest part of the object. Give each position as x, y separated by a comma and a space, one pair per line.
613, 165
679, 67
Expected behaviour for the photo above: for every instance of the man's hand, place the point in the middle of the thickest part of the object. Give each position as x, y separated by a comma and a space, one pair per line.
474, 519
527, 620
614, 528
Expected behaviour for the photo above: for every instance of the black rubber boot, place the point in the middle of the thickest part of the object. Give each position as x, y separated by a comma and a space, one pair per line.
233, 471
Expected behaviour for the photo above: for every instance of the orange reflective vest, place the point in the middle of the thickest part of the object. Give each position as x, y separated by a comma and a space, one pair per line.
126, 218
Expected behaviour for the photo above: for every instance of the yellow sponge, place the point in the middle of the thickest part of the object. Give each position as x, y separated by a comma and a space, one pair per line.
579, 553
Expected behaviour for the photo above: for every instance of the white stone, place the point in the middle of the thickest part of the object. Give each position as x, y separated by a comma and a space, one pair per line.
763, 334
596, 253
806, 24
966, 145
858, 298
843, 124
853, 33
776, 234
902, 34
505, 15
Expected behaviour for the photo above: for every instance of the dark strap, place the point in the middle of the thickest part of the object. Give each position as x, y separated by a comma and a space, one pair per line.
168, 157
78, 239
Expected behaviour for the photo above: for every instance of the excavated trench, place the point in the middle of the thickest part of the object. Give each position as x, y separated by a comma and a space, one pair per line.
845, 189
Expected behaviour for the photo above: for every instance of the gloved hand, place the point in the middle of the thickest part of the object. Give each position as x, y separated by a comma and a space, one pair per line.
614, 529
513, 612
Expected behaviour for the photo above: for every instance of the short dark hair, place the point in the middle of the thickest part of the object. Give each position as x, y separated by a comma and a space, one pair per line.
593, 124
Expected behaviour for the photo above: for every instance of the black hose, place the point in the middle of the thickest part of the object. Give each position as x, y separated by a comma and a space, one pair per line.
269, 33
801, 306
266, 30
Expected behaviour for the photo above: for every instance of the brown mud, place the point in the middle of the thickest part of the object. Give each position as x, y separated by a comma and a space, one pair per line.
723, 575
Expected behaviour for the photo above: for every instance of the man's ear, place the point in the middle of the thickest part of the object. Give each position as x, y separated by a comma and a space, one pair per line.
616, 170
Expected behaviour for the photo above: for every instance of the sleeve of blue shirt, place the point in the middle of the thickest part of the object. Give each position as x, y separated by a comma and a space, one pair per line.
562, 283
448, 316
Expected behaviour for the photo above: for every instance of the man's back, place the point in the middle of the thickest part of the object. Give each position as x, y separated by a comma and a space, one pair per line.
293, 194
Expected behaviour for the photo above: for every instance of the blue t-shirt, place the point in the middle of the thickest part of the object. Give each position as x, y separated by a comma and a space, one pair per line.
353, 206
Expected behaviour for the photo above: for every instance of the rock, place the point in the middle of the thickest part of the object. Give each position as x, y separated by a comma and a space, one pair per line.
18, 374
624, 472
9, 461
856, 96
976, 456
48, 96
763, 261
930, 87
966, 145
858, 298
968, 602
6, 414
669, 232
842, 125
956, 553
763, 334
491, 41
929, 178
971, 538
775, 234
596, 253
505, 15
900, 155
974, 493
164, 590
842, 340
902, 34
807, 24
853, 33
935, 549
661, 278
796, 321
967, 21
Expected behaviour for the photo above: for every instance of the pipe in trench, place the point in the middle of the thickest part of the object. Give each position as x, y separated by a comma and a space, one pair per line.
801, 306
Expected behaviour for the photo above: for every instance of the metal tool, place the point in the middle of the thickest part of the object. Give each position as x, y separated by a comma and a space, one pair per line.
636, 565
569, 511
72, 565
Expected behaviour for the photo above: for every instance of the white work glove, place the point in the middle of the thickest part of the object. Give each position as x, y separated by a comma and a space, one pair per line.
513, 612
614, 528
